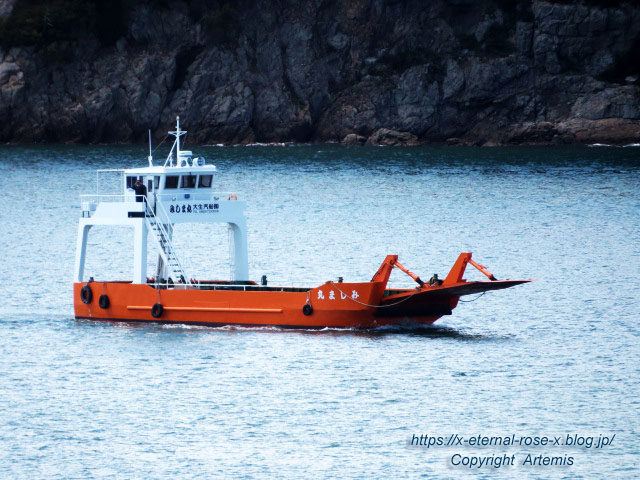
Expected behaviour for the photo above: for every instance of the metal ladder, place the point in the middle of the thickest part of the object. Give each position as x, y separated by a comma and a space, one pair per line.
163, 239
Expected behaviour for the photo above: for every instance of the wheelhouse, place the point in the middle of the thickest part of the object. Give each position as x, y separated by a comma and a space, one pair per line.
195, 182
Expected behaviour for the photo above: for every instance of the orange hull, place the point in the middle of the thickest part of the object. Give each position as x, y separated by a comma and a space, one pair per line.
333, 305
132, 302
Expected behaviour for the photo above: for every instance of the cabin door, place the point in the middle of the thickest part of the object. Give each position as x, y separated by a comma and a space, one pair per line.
151, 196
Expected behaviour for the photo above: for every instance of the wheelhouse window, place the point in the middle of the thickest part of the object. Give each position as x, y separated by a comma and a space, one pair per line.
205, 181
188, 181
171, 181
156, 182
131, 180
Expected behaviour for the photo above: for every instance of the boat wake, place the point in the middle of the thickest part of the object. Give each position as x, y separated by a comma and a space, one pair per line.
408, 329
403, 329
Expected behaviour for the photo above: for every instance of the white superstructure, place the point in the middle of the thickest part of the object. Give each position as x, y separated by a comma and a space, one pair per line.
180, 191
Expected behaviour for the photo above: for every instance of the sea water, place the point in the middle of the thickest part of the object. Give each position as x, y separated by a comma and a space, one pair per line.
557, 359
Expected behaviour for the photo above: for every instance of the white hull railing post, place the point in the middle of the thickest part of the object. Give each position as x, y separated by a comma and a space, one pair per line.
165, 268
240, 250
161, 272
140, 252
81, 250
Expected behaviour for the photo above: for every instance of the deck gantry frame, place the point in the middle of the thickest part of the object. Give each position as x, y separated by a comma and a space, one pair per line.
180, 191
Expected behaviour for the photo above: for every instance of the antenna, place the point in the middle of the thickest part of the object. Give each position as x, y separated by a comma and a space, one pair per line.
178, 133
150, 158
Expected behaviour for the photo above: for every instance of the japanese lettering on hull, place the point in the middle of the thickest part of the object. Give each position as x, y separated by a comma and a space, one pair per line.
195, 208
332, 295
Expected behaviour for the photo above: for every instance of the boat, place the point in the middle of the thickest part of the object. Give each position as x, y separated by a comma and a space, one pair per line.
154, 198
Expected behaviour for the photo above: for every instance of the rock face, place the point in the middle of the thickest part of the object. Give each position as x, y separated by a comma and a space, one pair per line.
353, 139
384, 136
484, 72
6, 7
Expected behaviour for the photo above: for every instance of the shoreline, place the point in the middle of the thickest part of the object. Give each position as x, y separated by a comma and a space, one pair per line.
333, 144
576, 131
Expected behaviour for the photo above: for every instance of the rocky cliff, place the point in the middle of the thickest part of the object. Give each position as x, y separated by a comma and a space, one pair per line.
479, 72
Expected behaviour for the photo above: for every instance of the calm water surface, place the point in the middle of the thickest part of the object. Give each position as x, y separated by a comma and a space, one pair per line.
560, 356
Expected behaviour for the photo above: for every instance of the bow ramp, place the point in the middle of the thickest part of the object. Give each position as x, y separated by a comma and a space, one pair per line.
436, 297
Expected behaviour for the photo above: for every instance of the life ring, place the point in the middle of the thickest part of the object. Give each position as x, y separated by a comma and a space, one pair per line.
307, 309
156, 310
103, 301
86, 295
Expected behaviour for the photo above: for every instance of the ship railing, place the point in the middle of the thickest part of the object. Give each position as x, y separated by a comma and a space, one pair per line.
103, 197
181, 196
95, 198
89, 202
301, 286
196, 285
317, 281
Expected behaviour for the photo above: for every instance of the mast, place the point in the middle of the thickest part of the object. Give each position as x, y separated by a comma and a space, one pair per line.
150, 158
177, 133
178, 137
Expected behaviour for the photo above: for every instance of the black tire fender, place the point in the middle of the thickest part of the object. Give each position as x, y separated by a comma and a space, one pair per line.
104, 302
307, 309
156, 310
86, 294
